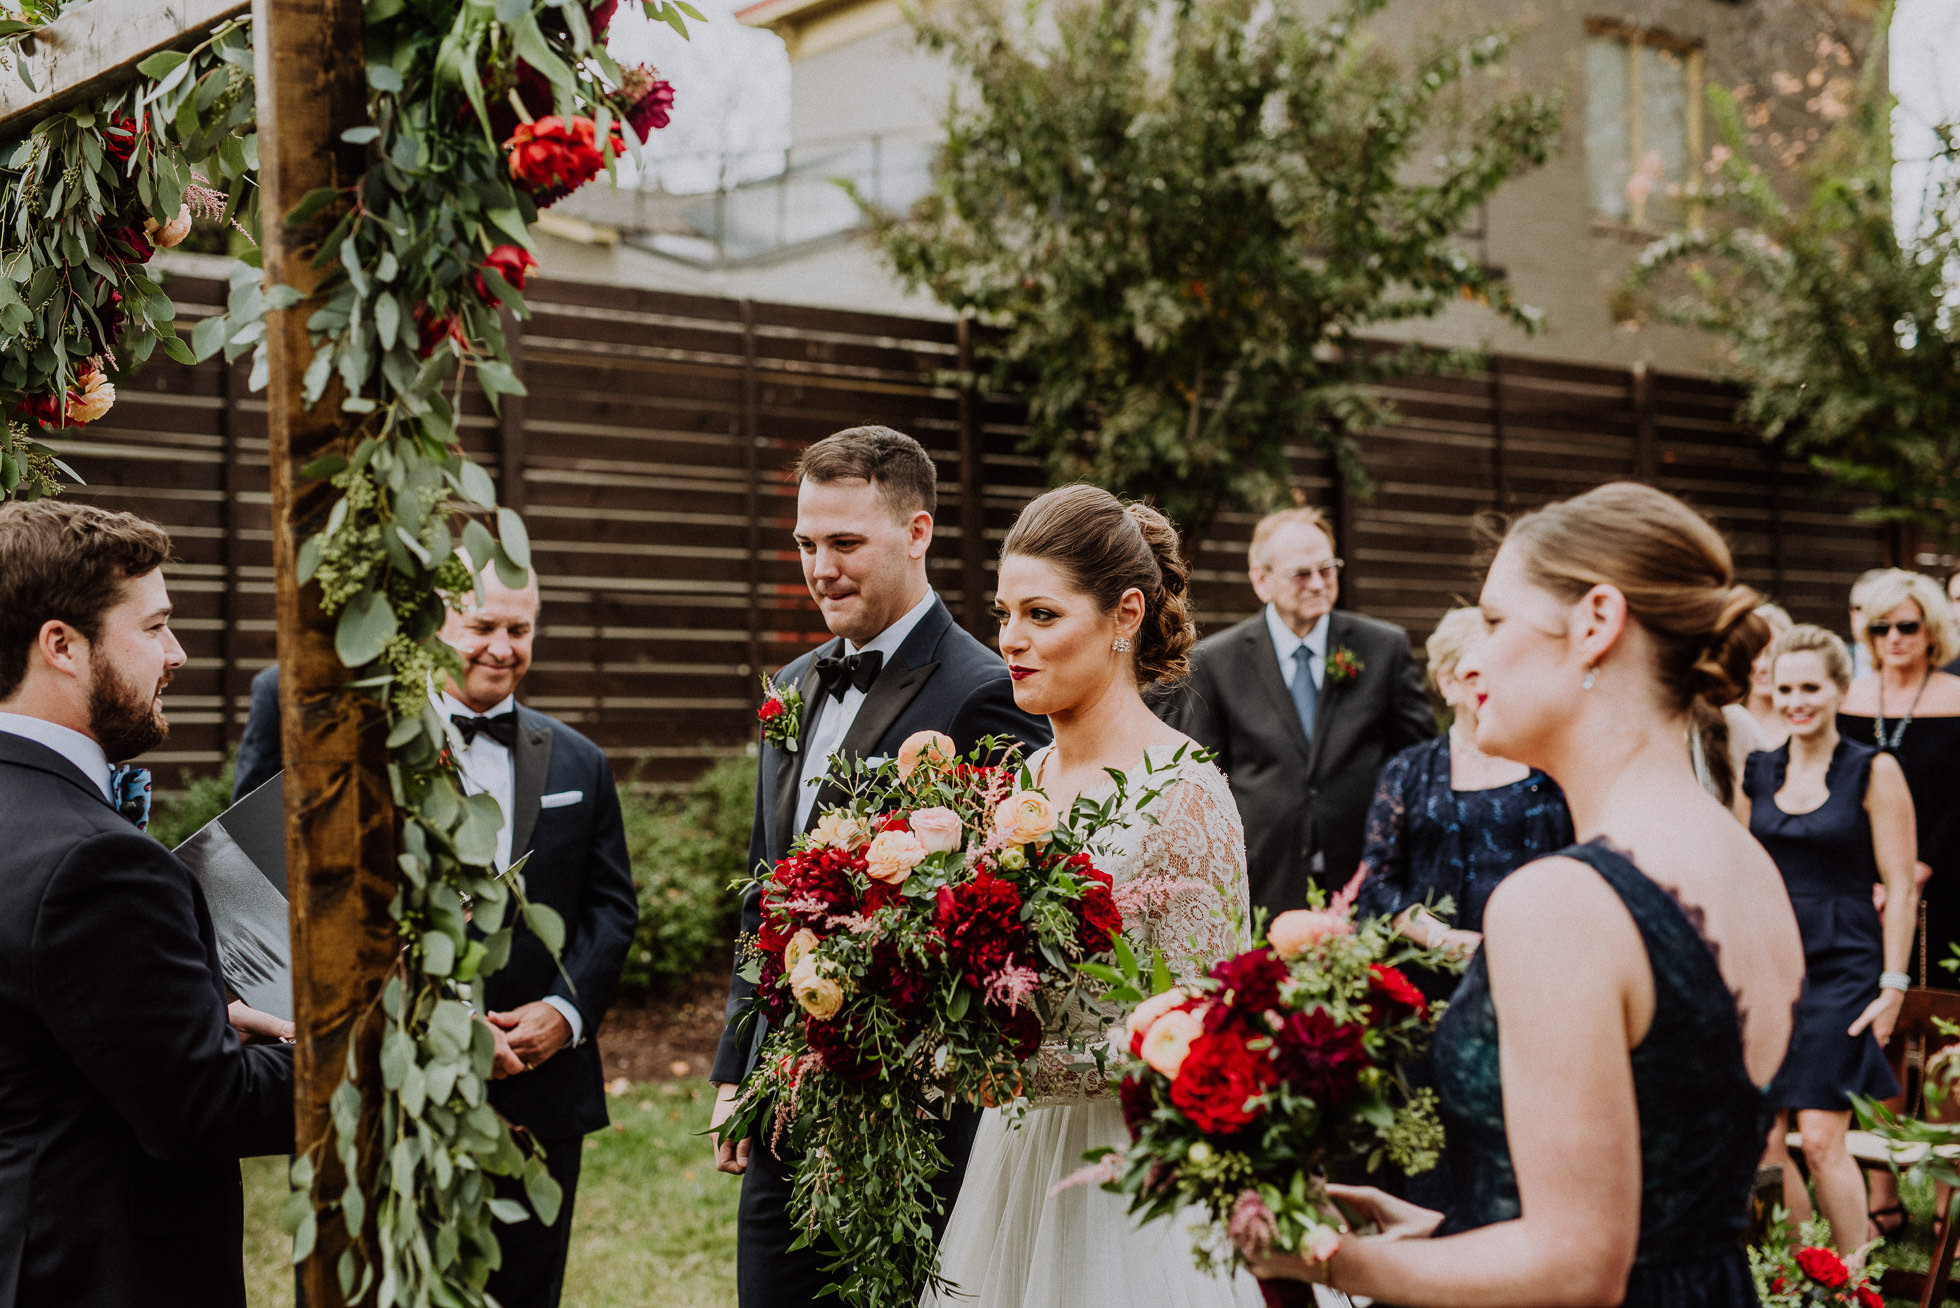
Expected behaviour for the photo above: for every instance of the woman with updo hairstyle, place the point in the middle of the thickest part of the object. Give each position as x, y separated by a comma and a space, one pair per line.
1092, 608
1837, 818
1601, 1068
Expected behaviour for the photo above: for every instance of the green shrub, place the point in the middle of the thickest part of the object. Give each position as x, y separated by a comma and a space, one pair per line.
688, 851
176, 818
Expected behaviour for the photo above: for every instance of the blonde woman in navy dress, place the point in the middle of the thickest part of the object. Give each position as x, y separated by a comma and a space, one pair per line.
1837, 818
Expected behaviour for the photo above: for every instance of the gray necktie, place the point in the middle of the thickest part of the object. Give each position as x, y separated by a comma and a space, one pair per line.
1305, 695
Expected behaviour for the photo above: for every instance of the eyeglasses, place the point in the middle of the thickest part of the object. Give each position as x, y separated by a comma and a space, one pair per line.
1880, 630
1301, 576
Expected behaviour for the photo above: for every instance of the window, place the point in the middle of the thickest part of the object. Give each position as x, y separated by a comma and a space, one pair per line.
1643, 124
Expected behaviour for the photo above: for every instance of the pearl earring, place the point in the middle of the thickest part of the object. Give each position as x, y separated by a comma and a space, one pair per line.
1122, 645
1586, 682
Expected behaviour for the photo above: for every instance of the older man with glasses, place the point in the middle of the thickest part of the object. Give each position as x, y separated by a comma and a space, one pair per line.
1302, 704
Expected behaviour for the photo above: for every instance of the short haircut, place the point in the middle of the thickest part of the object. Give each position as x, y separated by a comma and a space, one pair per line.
1806, 639
1272, 522
1452, 639
1777, 616
904, 474
1894, 587
65, 562
1864, 583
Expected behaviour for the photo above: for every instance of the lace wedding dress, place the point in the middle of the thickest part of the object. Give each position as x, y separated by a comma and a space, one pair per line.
1178, 863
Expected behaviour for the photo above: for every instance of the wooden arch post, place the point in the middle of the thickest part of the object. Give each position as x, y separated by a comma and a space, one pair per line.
340, 822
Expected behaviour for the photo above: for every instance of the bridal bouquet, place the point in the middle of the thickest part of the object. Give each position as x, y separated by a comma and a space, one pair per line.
1246, 1091
913, 947
1807, 1272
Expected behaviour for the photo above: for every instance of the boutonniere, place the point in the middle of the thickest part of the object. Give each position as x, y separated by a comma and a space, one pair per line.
1343, 664
781, 716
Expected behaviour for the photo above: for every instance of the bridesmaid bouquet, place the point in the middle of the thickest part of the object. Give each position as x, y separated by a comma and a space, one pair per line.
913, 947
1246, 1091
1809, 1273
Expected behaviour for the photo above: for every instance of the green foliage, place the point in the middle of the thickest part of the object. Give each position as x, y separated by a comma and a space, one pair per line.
689, 853
1181, 217
176, 818
1846, 337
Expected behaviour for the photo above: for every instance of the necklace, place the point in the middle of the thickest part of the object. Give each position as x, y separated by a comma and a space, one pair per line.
1878, 726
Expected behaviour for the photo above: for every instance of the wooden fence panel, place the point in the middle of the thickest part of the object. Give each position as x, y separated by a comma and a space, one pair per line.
650, 462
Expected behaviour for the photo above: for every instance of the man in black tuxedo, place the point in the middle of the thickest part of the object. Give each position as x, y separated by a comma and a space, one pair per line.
897, 664
126, 1098
556, 789
1302, 704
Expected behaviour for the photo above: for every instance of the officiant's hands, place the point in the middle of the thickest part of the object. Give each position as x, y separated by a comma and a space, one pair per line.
731, 1156
252, 1024
528, 1034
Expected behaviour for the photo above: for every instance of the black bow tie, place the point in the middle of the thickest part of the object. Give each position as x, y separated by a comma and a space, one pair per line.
839, 675
502, 729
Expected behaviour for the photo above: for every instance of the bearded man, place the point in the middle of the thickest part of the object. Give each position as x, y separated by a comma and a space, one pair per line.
126, 1097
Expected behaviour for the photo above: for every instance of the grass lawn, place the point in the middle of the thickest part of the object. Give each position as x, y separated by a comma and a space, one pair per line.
655, 1222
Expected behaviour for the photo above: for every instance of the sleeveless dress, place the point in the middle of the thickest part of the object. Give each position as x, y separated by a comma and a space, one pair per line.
1827, 863
1012, 1241
1929, 754
1702, 1121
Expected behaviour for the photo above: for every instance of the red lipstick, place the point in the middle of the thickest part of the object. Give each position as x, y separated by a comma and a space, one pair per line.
1018, 672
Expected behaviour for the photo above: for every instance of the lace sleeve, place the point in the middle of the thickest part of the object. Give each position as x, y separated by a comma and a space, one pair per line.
1386, 883
1190, 900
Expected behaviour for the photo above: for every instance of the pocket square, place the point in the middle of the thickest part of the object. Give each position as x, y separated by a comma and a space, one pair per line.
561, 799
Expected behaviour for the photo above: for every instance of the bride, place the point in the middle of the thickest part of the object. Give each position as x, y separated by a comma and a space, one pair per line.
1092, 608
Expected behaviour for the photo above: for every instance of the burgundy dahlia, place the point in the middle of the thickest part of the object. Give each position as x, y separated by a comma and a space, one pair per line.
1321, 1058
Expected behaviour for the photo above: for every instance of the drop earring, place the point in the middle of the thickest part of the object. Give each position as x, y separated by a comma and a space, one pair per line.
1122, 645
1586, 682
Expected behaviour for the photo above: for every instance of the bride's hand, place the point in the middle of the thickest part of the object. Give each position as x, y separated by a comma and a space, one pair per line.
1393, 1218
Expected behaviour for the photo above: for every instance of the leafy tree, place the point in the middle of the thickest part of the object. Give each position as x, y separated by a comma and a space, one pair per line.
1181, 216
1846, 336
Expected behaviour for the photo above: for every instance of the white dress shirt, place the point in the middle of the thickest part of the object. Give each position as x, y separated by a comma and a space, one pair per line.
1285, 643
489, 769
72, 745
834, 717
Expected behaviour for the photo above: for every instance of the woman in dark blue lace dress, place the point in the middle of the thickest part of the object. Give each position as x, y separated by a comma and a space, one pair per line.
1601, 1068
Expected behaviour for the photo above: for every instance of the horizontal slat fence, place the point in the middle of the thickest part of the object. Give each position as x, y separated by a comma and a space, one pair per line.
649, 457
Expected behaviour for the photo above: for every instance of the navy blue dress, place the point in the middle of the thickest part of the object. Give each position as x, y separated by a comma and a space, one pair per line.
1702, 1120
1827, 863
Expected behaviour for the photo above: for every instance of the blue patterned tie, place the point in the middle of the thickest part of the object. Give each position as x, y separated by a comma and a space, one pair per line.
1305, 695
129, 791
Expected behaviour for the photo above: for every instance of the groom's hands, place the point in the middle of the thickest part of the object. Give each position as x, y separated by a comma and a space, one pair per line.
731, 1157
533, 1032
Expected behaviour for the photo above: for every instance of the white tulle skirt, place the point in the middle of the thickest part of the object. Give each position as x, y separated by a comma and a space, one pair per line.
1012, 1244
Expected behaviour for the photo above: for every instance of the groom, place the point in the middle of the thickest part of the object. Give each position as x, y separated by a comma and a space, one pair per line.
864, 504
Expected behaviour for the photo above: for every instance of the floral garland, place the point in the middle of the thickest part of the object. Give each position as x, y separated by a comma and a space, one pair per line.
479, 115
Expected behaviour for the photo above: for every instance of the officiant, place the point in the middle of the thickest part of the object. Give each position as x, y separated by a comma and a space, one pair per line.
556, 789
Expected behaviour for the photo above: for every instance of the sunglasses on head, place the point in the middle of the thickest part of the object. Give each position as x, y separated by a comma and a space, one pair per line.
1880, 630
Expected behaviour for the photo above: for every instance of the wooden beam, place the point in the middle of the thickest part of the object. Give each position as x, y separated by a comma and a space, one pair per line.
340, 820
97, 47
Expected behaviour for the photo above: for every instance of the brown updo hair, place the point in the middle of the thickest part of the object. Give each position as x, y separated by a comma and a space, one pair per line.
1105, 547
1677, 575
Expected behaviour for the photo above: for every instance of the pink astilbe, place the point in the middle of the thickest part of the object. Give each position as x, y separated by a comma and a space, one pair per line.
855, 923
786, 1106
1097, 1174
1012, 985
1344, 902
1252, 1227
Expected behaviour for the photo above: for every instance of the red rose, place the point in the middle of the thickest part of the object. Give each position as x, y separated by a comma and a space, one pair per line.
1823, 1267
48, 410
1321, 1058
131, 239
981, 922
1247, 984
510, 262
772, 708
1219, 1076
1386, 983
119, 138
896, 822
833, 1042
1138, 1103
1869, 1298
1101, 919
1021, 1030
554, 156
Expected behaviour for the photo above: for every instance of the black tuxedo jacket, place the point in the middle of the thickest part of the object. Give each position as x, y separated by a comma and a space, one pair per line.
126, 1099
1298, 800
941, 679
567, 815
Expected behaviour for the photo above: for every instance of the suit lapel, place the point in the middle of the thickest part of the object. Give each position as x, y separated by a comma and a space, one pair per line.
531, 759
790, 764
1266, 671
33, 754
1332, 692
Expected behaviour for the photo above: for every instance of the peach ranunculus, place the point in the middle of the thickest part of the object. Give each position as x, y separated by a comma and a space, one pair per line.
799, 945
1169, 1040
892, 856
172, 233
839, 830
1297, 930
819, 995
932, 748
938, 829
1146, 1014
1025, 817
92, 396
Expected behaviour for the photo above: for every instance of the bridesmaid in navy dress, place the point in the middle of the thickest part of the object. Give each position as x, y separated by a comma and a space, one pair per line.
1836, 816
1601, 1067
